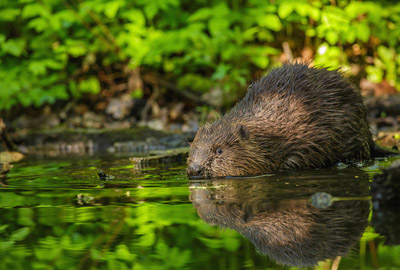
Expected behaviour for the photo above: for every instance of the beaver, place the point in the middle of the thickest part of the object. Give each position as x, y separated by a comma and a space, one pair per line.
296, 117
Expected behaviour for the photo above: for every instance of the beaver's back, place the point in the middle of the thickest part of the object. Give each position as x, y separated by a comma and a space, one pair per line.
315, 89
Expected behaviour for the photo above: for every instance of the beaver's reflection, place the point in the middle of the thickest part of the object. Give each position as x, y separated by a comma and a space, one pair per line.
275, 213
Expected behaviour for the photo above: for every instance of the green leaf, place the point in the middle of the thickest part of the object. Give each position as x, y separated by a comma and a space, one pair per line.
122, 253
151, 11
314, 13
3, 227
311, 32
302, 9
375, 74
14, 46
90, 85
24, 99
25, 216
32, 10
111, 8
53, 64
249, 33
37, 67
354, 8
285, 9
76, 47
65, 17
261, 62
201, 14
220, 72
20, 234
270, 21
221, 11
138, 93
332, 37
386, 54
218, 26
147, 240
59, 91
39, 24
135, 15
73, 89
350, 35
363, 31
9, 14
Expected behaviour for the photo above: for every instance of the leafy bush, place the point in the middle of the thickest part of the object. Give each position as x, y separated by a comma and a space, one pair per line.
51, 50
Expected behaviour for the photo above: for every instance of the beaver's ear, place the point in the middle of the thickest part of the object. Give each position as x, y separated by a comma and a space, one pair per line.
242, 131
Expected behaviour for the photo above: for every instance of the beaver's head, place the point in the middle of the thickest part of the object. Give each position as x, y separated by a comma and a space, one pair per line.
225, 149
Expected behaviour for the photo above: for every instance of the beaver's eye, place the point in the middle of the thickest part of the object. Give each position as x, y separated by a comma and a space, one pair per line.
219, 151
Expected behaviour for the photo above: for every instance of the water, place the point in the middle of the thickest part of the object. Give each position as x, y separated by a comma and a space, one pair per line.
58, 214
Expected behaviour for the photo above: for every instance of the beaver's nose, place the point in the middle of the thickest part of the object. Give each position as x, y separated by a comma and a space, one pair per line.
194, 169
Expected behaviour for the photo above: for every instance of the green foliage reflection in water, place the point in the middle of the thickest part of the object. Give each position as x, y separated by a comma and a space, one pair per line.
140, 220
131, 222
54, 50
138, 237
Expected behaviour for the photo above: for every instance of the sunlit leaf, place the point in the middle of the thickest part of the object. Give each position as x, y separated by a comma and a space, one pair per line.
332, 37
122, 252
261, 62
32, 10
147, 240
270, 21
375, 74
386, 54
111, 8
201, 14
302, 8
39, 24
76, 47
151, 11
314, 13
350, 35
285, 9
363, 31
135, 15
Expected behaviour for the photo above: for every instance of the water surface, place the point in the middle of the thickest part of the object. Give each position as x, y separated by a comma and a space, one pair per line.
58, 214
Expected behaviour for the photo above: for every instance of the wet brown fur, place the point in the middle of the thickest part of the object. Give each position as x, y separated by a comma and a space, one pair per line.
296, 117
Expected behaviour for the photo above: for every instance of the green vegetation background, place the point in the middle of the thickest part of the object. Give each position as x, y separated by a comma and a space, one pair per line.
54, 50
